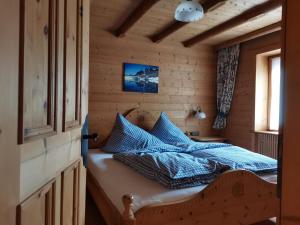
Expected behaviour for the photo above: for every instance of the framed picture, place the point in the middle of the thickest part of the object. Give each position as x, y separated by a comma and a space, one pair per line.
140, 78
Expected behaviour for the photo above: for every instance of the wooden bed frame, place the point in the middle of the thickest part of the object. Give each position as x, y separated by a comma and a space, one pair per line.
235, 198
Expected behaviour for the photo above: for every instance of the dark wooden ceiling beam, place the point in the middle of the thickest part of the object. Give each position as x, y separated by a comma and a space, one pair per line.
174, 26
235, 21
252, 35
138, 12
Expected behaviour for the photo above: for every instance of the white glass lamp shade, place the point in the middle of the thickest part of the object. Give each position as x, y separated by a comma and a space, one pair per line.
189, 11
200, 115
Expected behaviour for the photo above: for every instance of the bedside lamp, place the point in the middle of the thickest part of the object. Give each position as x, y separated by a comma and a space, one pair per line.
199, 114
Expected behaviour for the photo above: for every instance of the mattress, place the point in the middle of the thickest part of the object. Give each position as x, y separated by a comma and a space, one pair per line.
117, 180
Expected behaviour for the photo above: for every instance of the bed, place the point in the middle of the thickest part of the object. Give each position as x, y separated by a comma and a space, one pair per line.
235, 197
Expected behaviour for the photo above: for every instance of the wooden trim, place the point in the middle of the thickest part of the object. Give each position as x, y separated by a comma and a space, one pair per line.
68, 125
40, 133
53, 214
64, 67
139, 11
282, 102
75, 193
79, 61
71, 125
266, 132
48, 209
251, 35
25, 135
235, 21
51, 36
21, 74
174, 26
57, 35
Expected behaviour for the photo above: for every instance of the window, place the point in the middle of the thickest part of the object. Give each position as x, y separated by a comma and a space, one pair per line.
267, 91
274, 93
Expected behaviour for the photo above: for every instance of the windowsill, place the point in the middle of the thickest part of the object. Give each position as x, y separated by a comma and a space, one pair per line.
267, 132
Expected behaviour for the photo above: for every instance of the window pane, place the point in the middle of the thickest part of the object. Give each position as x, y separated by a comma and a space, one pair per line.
275, 94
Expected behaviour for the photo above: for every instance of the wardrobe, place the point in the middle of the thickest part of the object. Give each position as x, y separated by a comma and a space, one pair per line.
44, 82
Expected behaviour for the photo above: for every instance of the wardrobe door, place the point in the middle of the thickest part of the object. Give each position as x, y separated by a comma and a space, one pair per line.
37, 73
72, 64
38, 209
70, 195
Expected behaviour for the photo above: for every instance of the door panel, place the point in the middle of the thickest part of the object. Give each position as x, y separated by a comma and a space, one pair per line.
289, 139
72, 58
39, 208
70, 195
37, 91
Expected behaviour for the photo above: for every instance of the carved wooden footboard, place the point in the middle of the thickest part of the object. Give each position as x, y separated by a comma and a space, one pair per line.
234, 198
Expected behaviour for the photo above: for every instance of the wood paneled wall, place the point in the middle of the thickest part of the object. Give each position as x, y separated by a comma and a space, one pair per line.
186, 80
241, 121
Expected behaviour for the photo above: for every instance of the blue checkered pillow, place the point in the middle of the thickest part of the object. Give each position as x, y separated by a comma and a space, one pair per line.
127, 137
165, 130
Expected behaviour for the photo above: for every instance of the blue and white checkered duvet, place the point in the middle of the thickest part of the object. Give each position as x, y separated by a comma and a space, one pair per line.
239, 158
172, 169
193, 166
173, 159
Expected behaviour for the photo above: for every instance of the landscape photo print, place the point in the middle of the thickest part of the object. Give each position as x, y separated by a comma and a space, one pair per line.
140, 78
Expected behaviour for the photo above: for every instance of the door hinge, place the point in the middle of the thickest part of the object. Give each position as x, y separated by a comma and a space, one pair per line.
81, 11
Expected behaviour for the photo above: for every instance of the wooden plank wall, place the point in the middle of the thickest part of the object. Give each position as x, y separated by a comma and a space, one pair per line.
241, 121
186, 80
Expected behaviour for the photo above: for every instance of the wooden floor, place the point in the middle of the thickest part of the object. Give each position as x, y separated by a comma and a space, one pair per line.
93, 217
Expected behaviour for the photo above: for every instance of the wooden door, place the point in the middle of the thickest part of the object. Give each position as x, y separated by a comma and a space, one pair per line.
37, 72
9, 154
70, 195
72, 64
38, 209
290, 204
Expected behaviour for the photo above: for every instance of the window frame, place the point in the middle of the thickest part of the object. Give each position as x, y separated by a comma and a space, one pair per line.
270, 58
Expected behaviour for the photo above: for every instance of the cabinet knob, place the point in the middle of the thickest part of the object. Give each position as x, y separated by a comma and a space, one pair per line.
46, 30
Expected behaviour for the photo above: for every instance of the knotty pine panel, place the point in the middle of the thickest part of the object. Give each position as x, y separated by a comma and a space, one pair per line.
186, 80
37, 76
36, 53
39, 208
73, 63
71, 40
241, 121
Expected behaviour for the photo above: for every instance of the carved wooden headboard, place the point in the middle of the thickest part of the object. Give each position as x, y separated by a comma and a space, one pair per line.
141, 118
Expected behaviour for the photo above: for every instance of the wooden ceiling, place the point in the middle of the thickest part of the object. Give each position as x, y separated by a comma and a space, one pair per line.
159, 14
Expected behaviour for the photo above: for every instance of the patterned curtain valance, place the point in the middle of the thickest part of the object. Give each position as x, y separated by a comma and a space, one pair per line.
228, 59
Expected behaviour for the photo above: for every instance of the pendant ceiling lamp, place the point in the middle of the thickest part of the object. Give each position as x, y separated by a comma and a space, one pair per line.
189, 11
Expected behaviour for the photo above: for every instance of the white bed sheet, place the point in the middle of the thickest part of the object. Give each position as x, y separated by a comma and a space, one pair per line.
117, 179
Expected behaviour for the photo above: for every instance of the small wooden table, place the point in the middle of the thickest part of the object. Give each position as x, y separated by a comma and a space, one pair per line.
208, 139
